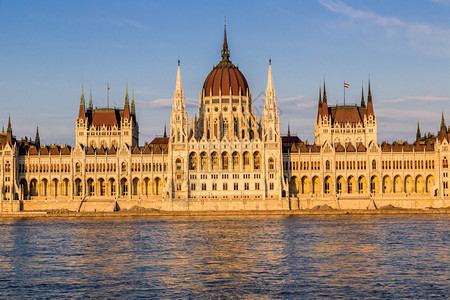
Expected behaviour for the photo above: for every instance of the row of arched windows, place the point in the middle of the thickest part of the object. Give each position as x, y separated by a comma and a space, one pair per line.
246, 161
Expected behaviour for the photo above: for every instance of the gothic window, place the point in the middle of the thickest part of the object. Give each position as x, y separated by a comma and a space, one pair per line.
215, 161
216, 133
78, 167
178, 164
225, 161
251, 134
235, 161
257, 160
246, 160
271, 163
327, 165
204, 161
374, 164
225, 128
445, 163
193, 161
124, 167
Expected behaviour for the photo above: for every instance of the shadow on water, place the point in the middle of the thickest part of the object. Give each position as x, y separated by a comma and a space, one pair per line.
384, 256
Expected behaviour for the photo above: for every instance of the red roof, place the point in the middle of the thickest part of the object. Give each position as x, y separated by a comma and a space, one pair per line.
106, 116
340, 148
344, 114
160, 140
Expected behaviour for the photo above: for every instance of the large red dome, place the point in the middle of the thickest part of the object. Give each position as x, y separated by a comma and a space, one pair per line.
225, 76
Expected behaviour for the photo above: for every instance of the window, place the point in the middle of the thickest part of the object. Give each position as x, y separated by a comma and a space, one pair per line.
271, 186
257, 186
225, 186
203, 186
271, 163
192, 186
214, 186
236, 186
327, 165
178, 187
246, 186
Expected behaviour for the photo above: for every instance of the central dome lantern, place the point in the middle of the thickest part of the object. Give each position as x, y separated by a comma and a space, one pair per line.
225, 79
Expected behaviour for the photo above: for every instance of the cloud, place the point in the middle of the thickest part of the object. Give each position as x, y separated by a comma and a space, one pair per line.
416, 98
427, 38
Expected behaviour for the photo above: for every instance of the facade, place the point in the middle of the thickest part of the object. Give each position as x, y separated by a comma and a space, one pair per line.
226, 158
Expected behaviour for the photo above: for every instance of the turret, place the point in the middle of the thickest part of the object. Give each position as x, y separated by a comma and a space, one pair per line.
81, 113
418, 135
133, 108
324, 103
126, 110
270, 118
363, 103
443, 128
319, 108
178, 120
369, 103
37, 139
91, 106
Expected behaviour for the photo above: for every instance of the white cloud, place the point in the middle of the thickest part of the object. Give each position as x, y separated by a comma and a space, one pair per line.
417, 99
427, 38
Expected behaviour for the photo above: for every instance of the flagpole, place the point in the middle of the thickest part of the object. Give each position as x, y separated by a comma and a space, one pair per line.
344, 92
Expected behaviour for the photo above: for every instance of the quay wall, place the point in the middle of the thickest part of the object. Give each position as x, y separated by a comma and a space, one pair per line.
181, 205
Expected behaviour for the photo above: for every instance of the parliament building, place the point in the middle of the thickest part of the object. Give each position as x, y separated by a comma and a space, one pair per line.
226, 158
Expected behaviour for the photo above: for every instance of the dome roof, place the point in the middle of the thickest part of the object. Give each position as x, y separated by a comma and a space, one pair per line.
225, 76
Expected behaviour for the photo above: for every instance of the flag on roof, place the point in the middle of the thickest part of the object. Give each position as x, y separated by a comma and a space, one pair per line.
346, 85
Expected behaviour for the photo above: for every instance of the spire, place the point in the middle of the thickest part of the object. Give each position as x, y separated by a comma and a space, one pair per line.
363, 104
418, 135
133, 107
443, 126
178, 94
91, 106
319, 109
270, 91
289, 129
37, 139
82, 96
9, 130
225, 51
165, 131
324, 102
81, 113
126, 110
127, 100
369, 102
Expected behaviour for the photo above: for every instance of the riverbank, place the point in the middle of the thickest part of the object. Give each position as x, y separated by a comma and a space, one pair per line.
53, 214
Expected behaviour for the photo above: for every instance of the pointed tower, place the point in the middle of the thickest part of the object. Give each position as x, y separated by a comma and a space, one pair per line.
126, 110
270, 118
133, 108
324, 103
91, 105
319, 108
9, 137
363, 103
37, 139
289, 129
81, 113
418, 135
165, 131
178, 120
369, 103
9, 130
443, 128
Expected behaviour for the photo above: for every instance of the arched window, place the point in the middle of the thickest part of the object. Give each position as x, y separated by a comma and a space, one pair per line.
124, 167
271, 163
445, 163
327, 165
78, 167
225, 128
216, 130
374, 164
178, 164
193, 161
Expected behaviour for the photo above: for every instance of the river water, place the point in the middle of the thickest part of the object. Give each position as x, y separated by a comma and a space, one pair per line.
398, 256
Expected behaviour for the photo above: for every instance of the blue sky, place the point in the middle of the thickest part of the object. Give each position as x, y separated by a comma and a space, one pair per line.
48, 48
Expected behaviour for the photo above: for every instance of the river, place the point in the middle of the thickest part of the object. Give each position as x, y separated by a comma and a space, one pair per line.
273, 257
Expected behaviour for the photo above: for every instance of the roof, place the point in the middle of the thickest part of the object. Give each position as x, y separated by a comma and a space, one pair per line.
106, 116
160, 140
347, 114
